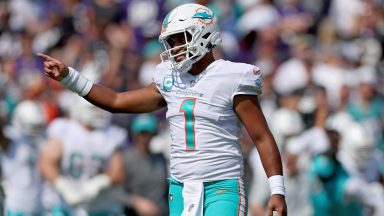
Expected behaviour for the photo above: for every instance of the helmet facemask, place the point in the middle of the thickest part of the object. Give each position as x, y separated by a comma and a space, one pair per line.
192, 51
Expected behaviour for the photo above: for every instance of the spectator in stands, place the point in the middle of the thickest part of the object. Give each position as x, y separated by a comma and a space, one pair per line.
145, 185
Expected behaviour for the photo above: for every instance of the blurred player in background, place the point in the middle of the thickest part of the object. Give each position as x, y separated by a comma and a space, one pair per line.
320, 151
208, 103
19, 160
82, 160
361, 160
145, 189
329, 180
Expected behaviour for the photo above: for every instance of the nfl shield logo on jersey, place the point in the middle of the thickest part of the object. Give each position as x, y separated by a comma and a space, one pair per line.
167, 83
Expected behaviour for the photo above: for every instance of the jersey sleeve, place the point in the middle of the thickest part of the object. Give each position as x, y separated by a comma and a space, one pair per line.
57, 128
156, 75
117, 136
162, 78
250, 82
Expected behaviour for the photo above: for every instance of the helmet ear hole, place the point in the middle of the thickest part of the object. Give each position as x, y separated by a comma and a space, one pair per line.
206, 35
209, 46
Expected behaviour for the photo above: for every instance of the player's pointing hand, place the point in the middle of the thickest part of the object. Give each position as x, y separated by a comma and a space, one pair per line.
54, 68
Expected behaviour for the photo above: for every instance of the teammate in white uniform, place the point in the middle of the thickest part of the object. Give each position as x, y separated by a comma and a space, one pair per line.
82, 159
19, 160
208, 102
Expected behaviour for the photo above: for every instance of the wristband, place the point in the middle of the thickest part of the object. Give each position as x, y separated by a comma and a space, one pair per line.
276, 184
77, 83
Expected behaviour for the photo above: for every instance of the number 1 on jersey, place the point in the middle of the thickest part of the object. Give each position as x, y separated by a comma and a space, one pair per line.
187, 107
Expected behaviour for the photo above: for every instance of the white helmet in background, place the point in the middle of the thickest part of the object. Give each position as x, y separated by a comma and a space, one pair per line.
339, 122
90, 115
285, 124
358, 143
28, 119
200, 29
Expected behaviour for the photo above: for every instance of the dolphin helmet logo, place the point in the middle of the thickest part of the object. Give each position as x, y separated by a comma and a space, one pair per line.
204, 16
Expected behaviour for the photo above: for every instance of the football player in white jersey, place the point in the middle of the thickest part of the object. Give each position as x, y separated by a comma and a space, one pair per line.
82, 160
208, 102
19, 160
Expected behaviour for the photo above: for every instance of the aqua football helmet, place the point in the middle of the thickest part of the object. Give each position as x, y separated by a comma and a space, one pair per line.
201, 33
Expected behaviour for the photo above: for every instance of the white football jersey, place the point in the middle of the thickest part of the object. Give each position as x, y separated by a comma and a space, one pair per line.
205, 129
86, 154
22, 177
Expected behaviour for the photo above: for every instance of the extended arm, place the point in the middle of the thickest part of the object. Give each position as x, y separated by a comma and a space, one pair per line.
147, 99
249, 111
143, 100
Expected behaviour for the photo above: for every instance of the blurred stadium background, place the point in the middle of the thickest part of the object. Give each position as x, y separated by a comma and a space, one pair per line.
322, 63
